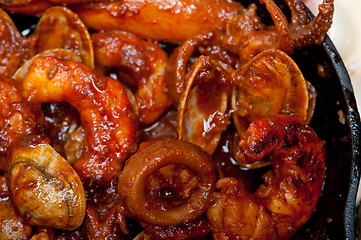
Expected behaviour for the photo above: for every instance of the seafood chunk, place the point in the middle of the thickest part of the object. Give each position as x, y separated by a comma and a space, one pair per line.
169, 21
202, 111
45, 188
12, 226
270, 83
59, 27
111, 127
182, 174
14, 48
291, 190
139, 64
247, 35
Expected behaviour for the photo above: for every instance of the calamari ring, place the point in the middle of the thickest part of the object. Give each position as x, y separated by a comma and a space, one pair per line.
152, 159
105, 110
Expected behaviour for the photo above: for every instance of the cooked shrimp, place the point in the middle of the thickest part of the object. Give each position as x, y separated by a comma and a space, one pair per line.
14, 48
168, 182
105, 110
169, 21
16, 119
138, 64
12, 225
291, 190
44, 187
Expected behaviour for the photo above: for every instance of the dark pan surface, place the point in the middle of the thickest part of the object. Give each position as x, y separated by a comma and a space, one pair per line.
337, 121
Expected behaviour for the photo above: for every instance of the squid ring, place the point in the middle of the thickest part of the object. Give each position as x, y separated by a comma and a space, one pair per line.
148, 161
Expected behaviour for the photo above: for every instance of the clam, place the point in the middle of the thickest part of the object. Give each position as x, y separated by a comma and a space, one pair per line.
59, 27
45, 188
202, 110
269, 83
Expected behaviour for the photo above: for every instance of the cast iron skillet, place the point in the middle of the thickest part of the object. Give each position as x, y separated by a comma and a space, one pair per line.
337, 121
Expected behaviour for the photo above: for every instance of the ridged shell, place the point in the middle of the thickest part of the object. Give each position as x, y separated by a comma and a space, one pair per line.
59, 27
45, 188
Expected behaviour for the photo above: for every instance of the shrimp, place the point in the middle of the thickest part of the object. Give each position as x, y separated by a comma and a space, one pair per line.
12, 225
169, 21
14, 48
138, 64
44, 187
291, 190
111, 126
168, 182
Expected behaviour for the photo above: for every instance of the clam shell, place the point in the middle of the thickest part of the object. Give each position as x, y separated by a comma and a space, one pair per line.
45, 188
59, 27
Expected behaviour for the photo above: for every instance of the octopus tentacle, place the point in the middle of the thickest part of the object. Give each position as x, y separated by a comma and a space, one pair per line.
298, 14
281, 25
314, 32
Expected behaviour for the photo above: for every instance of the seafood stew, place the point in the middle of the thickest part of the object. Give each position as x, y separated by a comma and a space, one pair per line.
66, 121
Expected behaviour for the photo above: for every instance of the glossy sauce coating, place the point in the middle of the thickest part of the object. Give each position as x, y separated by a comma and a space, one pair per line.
169, 21
103, 105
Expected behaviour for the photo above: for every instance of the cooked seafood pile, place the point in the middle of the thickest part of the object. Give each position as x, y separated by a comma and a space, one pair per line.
152, 119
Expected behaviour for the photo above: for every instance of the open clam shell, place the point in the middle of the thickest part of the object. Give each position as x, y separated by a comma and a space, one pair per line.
269, 83
62, 53
59, 27
202, 111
